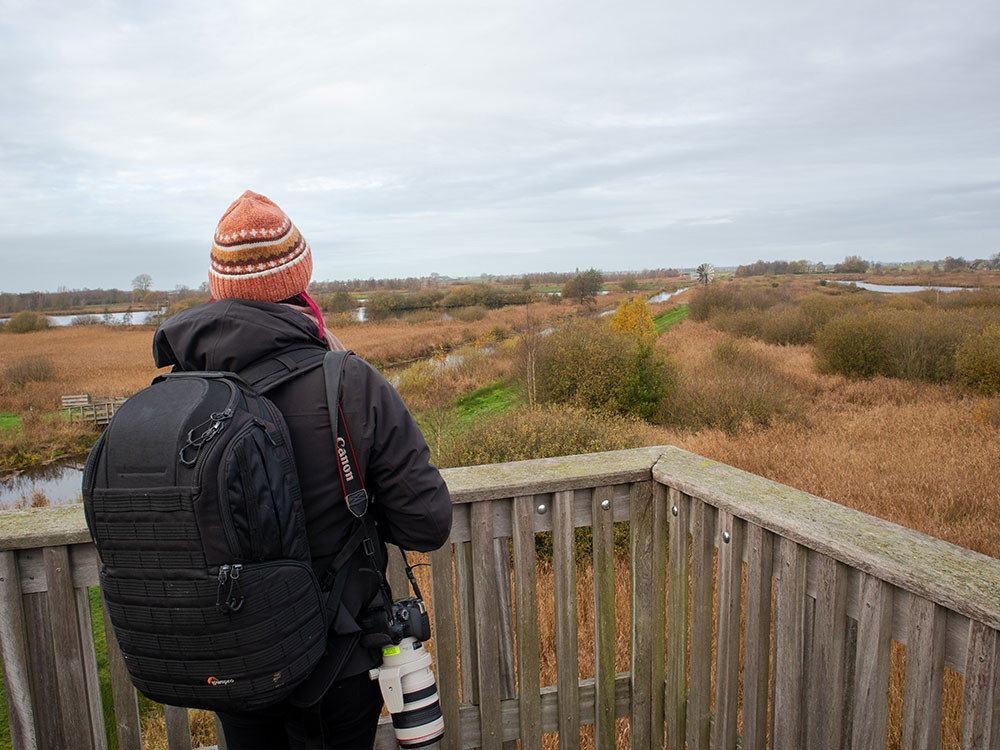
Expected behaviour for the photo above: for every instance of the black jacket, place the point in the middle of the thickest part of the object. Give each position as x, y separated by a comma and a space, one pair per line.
410, 499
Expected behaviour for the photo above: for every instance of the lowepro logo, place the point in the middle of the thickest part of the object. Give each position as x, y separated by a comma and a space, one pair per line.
348, 474
215, 681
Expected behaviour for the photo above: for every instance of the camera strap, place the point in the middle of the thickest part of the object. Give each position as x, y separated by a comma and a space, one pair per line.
355, 495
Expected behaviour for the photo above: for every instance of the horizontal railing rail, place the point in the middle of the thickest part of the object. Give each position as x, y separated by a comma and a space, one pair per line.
754, 613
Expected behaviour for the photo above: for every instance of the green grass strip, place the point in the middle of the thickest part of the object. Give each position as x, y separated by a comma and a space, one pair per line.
490, 399
665, 320
10, 421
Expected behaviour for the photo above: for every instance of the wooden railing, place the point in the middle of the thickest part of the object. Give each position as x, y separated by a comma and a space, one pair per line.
758, 614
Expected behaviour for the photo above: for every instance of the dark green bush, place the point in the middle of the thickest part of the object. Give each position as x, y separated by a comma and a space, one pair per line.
977, 360
856, 345
588, 364
27, 321
26, 370
338, 303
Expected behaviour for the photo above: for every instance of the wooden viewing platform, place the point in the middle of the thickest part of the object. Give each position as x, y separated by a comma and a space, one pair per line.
758, 613
89, 409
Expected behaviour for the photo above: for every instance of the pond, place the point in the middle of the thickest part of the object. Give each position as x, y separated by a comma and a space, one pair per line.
901, 288
138, 318
58, 482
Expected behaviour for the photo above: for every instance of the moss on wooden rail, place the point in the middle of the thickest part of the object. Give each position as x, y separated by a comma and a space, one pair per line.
955, 577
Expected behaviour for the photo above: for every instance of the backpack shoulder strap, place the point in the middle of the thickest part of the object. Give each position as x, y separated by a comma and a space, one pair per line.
271, 372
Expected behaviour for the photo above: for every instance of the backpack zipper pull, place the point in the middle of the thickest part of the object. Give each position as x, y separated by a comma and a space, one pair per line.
234, 600
223, 576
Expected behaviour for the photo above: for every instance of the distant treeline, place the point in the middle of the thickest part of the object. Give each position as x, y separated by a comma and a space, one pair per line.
857, 264
413, 283
65, 300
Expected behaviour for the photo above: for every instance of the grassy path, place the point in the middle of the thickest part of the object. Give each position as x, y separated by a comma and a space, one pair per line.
665, 320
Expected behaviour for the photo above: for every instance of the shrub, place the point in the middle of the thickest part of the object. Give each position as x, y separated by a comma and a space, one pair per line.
737, 389
977, 360
26, 370
27, 321
340, 302
590, 365
746, 323
786, 326
922, 343
87, 320
543, 433
730, 297
633, 317
856, 345
468, 314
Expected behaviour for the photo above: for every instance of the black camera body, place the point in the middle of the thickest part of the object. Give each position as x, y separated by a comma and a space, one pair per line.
408, 619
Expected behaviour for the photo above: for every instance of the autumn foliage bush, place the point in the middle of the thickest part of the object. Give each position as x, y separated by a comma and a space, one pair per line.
977, 360
588, 364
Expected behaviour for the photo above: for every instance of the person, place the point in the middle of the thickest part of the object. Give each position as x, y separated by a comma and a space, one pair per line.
260, 268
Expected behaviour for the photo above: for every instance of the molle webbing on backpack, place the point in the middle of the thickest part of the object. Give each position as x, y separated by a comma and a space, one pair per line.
193, 500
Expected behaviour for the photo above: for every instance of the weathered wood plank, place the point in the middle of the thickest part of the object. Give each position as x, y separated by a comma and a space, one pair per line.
702, 594
178, 728
922, 697
445, 642
789, 644
675, 694
505, 624
658, 562
567, 656
486, 613
526, 597
979, 722
466, 622
871, 693
14, 655
825, 720
759, 553
89, 664
42, 671
604, 617
951, 576
123, 693
64, 630
469, 484
727, 659
643, 635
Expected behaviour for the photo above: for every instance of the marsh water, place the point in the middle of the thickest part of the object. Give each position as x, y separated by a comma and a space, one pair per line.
58, 482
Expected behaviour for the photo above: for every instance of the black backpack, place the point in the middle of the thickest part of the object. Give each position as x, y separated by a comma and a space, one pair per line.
193, 500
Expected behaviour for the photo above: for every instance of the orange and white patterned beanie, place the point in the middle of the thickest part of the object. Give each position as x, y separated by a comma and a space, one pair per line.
258, 253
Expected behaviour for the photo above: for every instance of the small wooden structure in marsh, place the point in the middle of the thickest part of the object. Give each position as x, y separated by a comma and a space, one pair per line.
85, 407
759, 617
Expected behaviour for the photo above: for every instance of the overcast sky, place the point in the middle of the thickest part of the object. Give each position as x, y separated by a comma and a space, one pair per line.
465, 137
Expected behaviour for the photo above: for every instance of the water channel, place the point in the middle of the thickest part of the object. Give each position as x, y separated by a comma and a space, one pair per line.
58, 482
902, 288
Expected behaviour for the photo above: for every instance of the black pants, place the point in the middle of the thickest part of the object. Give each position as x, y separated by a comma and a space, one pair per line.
345, 719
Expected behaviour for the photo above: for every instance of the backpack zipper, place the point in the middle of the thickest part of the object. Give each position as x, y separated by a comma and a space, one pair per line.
250, 499
234, 596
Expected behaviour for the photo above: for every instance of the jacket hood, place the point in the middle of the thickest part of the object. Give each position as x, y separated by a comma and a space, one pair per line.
230, 335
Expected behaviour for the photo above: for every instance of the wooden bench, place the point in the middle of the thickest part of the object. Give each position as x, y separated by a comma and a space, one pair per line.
81, 399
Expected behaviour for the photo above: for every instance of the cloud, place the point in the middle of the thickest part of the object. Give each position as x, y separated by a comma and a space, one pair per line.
405, 138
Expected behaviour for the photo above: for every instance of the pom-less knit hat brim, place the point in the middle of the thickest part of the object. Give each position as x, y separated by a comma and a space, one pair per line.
258, 253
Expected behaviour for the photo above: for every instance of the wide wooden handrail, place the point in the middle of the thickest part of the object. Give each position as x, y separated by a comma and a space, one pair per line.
719, 560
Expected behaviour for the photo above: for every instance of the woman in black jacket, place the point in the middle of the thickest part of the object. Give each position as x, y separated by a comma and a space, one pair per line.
260, 268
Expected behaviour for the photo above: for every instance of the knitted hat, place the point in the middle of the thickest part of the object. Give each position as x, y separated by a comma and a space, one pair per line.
258, 253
